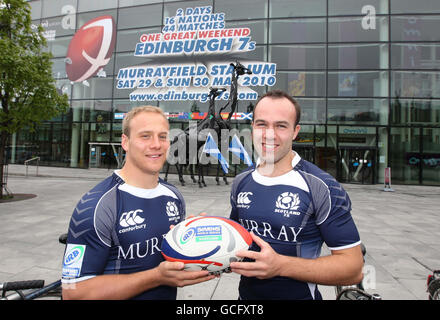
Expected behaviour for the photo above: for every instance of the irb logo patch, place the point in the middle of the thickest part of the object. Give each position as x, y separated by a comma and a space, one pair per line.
73, 259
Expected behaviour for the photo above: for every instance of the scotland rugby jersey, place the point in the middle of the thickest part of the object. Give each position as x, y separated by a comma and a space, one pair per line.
118, 229
295, 213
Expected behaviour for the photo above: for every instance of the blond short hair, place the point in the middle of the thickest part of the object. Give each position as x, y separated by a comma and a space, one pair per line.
133, 112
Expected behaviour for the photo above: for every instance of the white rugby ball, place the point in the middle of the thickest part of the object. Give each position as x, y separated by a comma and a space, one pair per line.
206, 243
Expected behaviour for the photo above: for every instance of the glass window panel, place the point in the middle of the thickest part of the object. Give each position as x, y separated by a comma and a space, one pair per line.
431, 156
124, 60
58, 47
411, 6
59, 68
415, 56
297, 8
258, 29
415, 84
342, 7
350, 29
298, 57
259, 54
109, 68
94, 88
121, 93
358, 56
87, 5
127, 39
129, 3
415, 28
85, 17
352, 111
53, 8
405, 142
136, 17
312, 110
301, 84
243, 9
35, 9
358, 84
415, 111
297, 31
170, 9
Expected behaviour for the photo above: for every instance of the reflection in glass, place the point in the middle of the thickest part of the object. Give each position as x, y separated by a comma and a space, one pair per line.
350, 29
415, 56
415, 111
312, 110
93, 88
298, 57
420, 6
405, 142
297, 8
431, 156
415, 28
297, 31
137, 17
341, 7
415, 84
366, 111
301, 84
358, 84
243, 9
358, 56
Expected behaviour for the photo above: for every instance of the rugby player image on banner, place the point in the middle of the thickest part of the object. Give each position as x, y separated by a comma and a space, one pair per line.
90, 48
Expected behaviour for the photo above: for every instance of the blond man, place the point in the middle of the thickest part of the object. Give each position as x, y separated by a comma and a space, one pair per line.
116, 229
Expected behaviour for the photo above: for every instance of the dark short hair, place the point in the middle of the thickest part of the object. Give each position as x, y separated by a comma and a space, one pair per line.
278, 94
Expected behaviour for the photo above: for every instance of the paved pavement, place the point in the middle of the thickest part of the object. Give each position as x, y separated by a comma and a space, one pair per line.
400, 229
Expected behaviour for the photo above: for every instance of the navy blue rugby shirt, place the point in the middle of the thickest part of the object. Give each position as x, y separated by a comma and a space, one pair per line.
117, 228
295, 213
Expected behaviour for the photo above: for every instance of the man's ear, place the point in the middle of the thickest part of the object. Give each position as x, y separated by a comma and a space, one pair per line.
296, 131
124, 142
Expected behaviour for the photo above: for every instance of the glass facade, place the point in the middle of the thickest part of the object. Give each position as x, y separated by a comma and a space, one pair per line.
366, 73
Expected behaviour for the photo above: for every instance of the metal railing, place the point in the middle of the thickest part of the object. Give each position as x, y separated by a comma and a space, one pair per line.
26, 163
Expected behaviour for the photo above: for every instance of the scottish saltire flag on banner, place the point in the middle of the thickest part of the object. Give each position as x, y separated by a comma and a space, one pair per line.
211, 148
237, 148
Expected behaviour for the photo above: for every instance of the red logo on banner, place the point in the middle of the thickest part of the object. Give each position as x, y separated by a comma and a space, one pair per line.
90, 48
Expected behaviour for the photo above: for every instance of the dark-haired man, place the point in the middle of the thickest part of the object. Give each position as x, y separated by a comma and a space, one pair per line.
291, 207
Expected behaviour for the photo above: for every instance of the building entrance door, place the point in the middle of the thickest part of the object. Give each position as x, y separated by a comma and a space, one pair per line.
106, 155
357, 165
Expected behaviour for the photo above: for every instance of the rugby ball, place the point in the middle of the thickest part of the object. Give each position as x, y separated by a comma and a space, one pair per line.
90, 48
206, 243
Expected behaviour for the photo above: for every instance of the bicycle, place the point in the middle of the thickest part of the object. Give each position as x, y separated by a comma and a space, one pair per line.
357, 291
51, 290
433, 285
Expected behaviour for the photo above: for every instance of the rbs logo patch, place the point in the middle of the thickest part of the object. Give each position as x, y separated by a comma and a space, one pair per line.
90, 48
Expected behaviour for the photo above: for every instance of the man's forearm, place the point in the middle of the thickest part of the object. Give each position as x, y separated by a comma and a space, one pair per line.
112, 286
340, 268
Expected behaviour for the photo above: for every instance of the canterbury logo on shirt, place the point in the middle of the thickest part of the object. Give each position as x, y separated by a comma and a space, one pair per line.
131, 220
243, 200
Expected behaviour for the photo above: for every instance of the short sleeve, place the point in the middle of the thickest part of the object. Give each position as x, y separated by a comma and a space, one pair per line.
337, 226
332, 207
90, 237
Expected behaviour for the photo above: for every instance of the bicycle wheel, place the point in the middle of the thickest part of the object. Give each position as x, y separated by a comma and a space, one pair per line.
434, 290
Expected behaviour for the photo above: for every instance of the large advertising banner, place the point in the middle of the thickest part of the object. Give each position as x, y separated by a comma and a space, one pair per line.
192, 54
